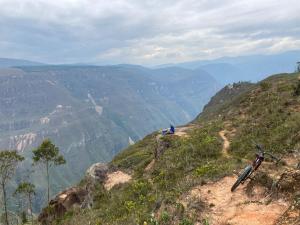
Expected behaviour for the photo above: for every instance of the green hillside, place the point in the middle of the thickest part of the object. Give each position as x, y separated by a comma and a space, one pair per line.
165, 169
92, 112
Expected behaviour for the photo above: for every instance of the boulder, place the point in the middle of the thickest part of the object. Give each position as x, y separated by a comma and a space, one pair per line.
98, 172
65, 201
71, 198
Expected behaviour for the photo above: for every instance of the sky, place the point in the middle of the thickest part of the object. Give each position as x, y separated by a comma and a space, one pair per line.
146, 32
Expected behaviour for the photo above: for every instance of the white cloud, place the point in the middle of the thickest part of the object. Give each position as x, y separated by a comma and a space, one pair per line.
145, 32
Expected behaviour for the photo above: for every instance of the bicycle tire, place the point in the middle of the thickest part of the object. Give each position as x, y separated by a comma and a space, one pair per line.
242, 177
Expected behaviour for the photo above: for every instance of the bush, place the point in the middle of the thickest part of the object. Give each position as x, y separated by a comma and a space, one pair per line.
205, 222
165, 217
207, 169
265, 86
297, 89
186, 222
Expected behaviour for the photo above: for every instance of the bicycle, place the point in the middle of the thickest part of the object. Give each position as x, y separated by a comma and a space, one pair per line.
250, 169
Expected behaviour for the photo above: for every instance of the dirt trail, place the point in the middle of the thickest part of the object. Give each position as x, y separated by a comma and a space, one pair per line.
115, 178
227, 208
226, 143
182, 131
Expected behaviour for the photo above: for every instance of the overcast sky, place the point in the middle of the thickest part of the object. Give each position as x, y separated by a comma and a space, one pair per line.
146, 32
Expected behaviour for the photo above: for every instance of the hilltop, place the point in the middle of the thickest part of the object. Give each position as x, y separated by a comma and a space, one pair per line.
186, 178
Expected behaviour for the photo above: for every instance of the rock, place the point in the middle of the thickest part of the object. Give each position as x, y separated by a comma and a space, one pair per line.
62, 203
98, 172
74, 197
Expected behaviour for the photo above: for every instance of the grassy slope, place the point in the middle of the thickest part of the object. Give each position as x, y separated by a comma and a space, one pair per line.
267, 113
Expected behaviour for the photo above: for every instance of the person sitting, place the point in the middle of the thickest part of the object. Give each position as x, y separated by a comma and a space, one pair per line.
170, 130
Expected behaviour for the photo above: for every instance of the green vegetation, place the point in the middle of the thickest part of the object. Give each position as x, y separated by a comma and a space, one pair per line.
174, 173
48, 155
8, 164
270, 117
266, 113
26, 190
297, 88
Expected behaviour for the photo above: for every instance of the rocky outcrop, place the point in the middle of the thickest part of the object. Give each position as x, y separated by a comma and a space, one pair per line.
75, 197
97, 172
62, 203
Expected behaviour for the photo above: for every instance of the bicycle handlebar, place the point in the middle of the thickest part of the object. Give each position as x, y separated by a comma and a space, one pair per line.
260, 148
272, 156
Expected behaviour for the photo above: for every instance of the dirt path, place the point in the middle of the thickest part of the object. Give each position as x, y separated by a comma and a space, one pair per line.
226, 143
237, 208
115, 178
182, 131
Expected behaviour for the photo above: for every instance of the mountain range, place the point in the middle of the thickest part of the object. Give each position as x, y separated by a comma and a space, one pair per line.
245, 68
7, 62
225, 70
92, 112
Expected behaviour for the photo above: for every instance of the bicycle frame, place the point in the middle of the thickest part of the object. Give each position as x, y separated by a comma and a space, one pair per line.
250, 169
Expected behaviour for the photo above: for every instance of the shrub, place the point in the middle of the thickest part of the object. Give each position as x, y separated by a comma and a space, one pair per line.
186, 222
265, 86
165, 217
205, 222
297, 89
130, 205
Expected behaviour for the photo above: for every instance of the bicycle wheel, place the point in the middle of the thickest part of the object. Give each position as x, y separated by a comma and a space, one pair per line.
242, 177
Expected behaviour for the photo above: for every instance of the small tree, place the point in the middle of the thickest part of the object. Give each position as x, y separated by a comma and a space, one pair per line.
27, 190
8, 164
48, 155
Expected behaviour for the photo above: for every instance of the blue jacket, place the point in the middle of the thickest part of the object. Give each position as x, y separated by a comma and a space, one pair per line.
172, 129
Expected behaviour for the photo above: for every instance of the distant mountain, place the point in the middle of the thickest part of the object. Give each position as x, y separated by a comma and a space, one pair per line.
246, 68
225, 73
6, 62
93, 112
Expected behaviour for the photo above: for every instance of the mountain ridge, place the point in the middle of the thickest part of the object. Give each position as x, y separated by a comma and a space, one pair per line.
10, 62
92, 112
245, 68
